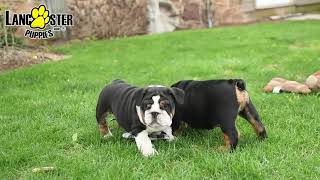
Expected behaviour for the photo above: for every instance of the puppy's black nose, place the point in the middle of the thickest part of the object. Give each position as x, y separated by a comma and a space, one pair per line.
154, 114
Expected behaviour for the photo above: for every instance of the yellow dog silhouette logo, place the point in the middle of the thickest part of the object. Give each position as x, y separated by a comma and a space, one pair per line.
40, 17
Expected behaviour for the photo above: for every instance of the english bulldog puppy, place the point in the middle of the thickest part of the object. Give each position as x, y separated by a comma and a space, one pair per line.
139, 111
217, 103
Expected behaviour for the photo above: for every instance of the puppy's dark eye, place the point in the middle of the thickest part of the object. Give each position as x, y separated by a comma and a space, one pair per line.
164, 104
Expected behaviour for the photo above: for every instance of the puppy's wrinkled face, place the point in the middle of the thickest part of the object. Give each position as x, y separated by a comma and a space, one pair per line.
157, 111
157, 108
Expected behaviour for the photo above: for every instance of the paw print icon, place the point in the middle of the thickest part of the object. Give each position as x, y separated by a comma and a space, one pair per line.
40, 17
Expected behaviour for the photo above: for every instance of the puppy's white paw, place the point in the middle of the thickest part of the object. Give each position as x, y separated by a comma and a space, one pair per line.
144, 144
107, 136
168, 132
171, 138
147, 152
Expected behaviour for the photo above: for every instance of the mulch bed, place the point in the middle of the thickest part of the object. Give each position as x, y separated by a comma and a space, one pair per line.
14, 57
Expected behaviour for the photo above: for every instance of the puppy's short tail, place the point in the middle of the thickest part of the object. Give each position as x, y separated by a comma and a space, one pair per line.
240, 84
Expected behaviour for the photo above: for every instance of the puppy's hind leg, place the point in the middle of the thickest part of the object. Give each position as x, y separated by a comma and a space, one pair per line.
250, 113
230, 132
101, 115
231, 137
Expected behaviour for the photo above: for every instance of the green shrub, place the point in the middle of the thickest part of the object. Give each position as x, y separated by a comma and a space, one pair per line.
7, 34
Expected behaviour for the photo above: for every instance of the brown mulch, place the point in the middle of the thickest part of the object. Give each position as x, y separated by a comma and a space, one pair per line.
13, 57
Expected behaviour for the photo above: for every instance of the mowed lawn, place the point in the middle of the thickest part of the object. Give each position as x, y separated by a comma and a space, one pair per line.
47, 111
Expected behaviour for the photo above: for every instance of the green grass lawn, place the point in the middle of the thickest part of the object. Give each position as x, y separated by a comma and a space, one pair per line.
42, 107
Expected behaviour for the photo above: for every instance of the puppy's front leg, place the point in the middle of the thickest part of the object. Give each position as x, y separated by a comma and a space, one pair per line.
168, 131
144, 144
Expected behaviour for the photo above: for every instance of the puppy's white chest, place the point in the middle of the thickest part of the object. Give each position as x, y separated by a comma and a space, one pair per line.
158, 129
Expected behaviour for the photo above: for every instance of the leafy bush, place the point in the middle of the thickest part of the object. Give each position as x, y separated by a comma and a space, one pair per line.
7, 34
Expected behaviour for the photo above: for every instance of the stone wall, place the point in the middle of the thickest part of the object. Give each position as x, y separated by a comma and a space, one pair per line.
116, 18
192, 13
108, 18
230, 11
200, 13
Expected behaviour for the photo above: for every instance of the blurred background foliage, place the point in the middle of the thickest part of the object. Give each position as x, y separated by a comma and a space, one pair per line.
7, 34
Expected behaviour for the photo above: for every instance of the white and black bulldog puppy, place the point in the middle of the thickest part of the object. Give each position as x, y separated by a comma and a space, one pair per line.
140, 111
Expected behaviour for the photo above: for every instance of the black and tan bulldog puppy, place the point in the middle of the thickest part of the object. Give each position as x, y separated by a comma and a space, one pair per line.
217, 103
139, 111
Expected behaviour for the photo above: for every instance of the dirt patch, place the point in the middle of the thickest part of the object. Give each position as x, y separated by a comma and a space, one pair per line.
13, 57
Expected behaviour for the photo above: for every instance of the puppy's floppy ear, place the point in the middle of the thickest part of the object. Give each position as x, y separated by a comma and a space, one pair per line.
139, 95
181, 84
178, 94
